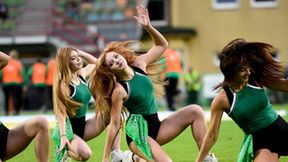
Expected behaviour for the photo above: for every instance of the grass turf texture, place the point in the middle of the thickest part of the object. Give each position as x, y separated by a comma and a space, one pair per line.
182, 149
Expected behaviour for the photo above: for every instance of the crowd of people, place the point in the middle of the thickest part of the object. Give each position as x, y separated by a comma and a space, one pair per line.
113, 80
4, 12
27, 88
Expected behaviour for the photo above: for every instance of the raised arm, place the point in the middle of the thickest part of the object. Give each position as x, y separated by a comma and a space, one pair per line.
160, 43
115, 120
3, 59
215, 122
91, 61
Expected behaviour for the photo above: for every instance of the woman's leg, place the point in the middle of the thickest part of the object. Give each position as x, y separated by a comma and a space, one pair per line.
21, 136
93, 128
79, 149
176, 123
158, 154
264, 155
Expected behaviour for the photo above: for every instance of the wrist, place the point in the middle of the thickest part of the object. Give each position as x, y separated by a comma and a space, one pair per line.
147, 27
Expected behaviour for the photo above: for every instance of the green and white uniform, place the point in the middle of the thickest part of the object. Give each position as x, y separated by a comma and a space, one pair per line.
81, 94
75, 124
251, 109
141, 99
142, 105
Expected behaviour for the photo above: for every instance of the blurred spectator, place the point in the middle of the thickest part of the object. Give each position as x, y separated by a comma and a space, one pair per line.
172, 73
192, 80
86, 7
37, 75
13, 76
71, 9
4, 14
49, 81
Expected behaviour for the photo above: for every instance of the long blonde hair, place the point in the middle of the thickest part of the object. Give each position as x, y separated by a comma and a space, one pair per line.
62, 78
103, 80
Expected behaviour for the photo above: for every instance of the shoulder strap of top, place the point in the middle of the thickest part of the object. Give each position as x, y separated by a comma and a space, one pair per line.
229, 94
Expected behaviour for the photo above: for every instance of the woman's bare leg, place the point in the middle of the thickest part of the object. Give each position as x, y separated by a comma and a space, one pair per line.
264, 155
20, 137
79, 149
176, 123
158, 153
172, 126
92, 130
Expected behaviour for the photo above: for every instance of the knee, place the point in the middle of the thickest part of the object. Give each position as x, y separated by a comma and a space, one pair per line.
195, 111
85, 154
42, 123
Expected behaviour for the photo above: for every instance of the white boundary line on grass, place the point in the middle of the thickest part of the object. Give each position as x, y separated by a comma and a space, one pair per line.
11, 121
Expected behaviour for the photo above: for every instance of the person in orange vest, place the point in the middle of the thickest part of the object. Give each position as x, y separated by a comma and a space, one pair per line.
172, 73
13, 80
49, 81
14, 141
37, 75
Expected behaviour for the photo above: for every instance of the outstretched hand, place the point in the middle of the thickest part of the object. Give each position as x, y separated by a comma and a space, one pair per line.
143, 16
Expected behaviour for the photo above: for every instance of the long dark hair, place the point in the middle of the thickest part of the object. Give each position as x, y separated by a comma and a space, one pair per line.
258, 55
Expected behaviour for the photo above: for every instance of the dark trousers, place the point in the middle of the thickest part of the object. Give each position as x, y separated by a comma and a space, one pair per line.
15, 93
192, 97
49, 98
170, 92
38, 98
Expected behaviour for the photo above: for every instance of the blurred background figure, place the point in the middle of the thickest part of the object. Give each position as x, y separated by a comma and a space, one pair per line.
192, 81
72, 9
86, 7
37, 76
12, 81
172, 73
4, 14
49, 81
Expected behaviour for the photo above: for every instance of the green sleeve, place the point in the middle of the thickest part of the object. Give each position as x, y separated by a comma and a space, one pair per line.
24, 76
1, 74
29, 73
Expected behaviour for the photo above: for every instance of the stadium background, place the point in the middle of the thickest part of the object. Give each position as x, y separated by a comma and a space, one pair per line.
198, 29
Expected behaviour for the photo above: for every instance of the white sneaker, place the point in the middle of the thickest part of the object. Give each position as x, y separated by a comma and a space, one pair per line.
210, 158
127, 156
116, 156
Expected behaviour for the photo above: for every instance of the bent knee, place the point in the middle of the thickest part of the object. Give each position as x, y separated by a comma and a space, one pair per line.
265, 155
195, 110
85, 155
41, 122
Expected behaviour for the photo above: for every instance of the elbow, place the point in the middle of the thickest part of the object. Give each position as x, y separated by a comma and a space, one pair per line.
3, 64
165, 44
6, 62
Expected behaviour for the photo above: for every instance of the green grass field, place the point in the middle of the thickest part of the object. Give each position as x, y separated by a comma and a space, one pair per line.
182, 149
